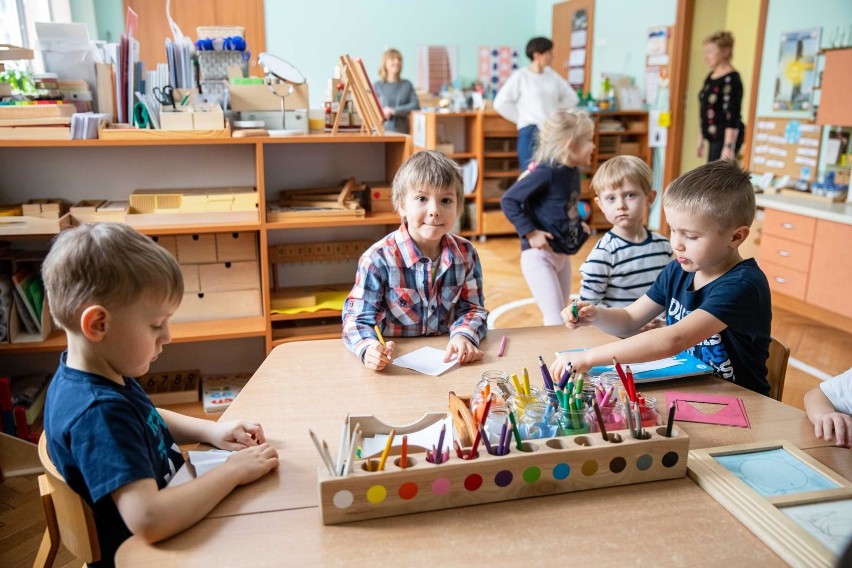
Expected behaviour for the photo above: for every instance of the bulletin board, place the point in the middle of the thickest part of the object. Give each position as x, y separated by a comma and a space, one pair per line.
786, 147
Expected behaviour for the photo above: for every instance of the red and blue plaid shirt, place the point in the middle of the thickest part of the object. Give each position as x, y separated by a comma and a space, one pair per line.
395, 290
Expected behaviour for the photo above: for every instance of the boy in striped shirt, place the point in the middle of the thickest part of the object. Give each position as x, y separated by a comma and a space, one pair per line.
626, 260
421, 279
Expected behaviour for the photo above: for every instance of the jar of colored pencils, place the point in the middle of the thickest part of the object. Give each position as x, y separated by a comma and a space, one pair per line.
494, 385
538, 421
613, 417
650, 416
573, 420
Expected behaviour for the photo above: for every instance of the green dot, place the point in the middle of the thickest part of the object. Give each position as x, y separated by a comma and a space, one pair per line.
532, 474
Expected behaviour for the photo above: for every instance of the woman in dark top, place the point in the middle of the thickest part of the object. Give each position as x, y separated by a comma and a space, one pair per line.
396, 95
720, 100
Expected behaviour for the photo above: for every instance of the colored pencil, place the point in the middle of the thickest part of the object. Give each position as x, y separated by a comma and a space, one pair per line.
630, 380
526, 381
575, 310
517, 383
515, 430
472, 453
440, 454
671, 420
501, 442
353, 446
502, 346
601, 425
545, 374
323, 455
403, 458
344, 445
485, 440
386, 451
379, 334
566, 374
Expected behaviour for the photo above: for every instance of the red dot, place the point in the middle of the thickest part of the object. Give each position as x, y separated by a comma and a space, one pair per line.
407, 490
473, 482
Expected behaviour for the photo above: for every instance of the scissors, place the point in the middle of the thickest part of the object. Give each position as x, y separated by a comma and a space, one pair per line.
165, 96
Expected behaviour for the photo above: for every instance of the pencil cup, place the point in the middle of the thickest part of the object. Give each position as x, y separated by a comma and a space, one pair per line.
648, 410
611, 379
499, 386
497, 416
537, 422
573, 420
613, 418
519, 401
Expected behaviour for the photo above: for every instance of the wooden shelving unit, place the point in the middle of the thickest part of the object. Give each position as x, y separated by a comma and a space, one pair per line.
112, 169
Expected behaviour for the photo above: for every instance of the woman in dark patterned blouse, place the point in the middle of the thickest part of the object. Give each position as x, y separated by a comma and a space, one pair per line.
720, 100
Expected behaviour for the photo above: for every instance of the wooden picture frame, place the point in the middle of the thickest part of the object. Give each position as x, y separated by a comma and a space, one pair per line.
797, 506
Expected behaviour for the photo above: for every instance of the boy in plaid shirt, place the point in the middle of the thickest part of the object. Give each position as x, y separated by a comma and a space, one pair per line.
420, 279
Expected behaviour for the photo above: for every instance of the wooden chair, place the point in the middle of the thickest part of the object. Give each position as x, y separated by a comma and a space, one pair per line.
69, 518
776, 367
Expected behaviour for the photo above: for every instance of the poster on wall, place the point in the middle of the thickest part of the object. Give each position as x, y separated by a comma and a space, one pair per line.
437, 67
496, 64
796, 69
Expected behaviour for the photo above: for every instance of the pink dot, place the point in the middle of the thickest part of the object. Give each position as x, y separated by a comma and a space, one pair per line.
441, 486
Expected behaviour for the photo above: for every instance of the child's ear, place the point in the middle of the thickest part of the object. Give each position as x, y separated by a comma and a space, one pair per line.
739, 236
652, 195
598, 201
94, 322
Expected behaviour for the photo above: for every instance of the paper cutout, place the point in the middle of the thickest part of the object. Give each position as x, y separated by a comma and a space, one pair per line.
207, 460
426, 360
731, 412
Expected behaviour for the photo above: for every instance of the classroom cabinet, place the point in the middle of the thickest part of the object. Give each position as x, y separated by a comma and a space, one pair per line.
215, 254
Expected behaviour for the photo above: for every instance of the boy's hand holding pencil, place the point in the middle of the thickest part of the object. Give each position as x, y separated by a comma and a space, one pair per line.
379, 355
579, 314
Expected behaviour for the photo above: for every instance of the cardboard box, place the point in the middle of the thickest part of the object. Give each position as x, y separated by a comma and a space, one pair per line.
261, 97
380, 197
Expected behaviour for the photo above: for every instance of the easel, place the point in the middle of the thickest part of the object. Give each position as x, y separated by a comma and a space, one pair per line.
357, 82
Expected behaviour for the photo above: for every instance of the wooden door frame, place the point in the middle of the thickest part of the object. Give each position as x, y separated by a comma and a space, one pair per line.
684, 17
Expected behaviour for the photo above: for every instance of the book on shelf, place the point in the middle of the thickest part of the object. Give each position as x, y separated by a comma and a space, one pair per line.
30, 288
219, 391
29, 392
7, 417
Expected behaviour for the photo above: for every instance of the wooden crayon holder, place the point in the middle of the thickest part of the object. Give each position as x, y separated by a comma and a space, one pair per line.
549, 466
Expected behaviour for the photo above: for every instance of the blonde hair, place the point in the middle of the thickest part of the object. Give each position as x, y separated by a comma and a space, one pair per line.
723, 40
427, 169
107, 264
386, 56
613, 173
558, 134
720, 191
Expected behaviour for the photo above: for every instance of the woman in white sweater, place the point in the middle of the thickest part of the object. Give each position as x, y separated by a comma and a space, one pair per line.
531, 94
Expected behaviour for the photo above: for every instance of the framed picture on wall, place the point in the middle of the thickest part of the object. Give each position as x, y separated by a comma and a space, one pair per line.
796, 74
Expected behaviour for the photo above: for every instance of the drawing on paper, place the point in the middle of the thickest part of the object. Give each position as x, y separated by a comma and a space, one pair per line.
774, 472
829, 522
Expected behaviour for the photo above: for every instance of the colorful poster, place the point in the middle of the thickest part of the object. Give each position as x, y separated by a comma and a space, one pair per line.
796, 69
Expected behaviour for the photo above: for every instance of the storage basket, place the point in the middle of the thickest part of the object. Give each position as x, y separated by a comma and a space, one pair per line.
214, 64
212, 32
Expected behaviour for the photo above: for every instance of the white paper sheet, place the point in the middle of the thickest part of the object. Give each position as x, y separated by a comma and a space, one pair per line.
208, 460
650, 365
426, 360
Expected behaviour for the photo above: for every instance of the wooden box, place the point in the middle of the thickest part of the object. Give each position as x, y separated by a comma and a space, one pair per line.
44, 208
496, 222
206, 306
196, 249
171, 387
222, 276
380, 197
629, 148
546, 467
25, 225
177, 119
236, 246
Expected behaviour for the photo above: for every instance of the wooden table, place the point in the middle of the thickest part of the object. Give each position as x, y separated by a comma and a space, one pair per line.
314, 384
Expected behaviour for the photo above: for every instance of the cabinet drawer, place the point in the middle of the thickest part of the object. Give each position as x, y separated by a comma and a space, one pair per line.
236, 246
191, 282
785, 280
229, 276
785, 253
831, 268
168, 242
789, 226
496, 125
196, 249
206, 306
495, 222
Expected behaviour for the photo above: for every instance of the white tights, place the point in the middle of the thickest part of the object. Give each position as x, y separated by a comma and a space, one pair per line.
548, 275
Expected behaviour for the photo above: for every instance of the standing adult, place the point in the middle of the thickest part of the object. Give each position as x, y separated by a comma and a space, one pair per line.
721, 101
530, 96
396, 95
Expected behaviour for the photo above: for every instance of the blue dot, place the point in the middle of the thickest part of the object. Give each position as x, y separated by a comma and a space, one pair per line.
561, 471
495, 53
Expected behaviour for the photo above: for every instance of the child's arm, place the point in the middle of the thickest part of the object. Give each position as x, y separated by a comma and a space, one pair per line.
648, 346
826, 420
230, 435
362, 311
471, 324
506, 100
154, 514
514, 207
595, 271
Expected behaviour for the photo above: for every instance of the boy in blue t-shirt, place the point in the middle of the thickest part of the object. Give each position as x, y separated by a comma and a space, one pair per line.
717, 305
113, 290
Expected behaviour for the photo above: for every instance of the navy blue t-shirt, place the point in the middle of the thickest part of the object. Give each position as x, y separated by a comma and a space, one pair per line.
102, 436
740, 299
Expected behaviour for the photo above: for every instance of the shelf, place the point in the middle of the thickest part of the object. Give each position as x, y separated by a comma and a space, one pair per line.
181, 333
491, 200
508, 174
307, 315
499, 154
461, 155
321, 332
622, 132
198, 229
389, 218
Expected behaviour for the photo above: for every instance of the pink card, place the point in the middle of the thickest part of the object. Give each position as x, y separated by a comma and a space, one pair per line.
730, 413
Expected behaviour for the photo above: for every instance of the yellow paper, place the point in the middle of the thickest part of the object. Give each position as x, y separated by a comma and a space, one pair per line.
665, 119
325, 301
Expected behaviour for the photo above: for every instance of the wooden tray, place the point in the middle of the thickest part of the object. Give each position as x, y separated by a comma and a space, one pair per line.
25, 225
149, 134
547, 467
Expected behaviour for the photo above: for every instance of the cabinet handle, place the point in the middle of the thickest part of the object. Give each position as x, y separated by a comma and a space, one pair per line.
790, 226
780, 280
784, 253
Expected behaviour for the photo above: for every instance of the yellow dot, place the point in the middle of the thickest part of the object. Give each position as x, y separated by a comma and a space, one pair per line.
376, 494
590, 467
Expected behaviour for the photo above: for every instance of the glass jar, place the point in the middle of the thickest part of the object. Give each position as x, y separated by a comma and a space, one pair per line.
573, 420
499, 387
537, 422
613, 418
611, 379
650, 416
498, 415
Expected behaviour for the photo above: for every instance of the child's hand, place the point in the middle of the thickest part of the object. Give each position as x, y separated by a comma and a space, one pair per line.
578, 362
253, 463
538, 239
837, 424
586, 314
236, 434
653, 324
378, 356
467, 352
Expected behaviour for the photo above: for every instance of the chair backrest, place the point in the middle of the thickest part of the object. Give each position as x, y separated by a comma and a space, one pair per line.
776, 367
74, 517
